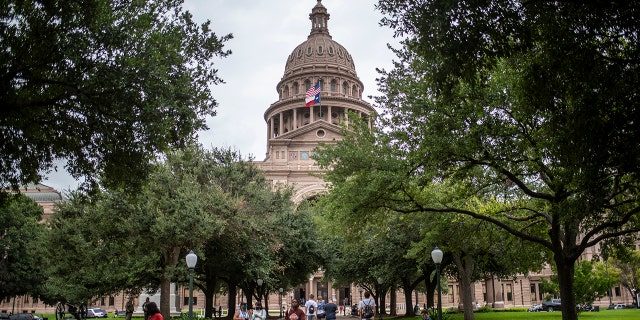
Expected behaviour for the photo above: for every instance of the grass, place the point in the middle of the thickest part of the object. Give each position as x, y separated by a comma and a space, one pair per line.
626, 314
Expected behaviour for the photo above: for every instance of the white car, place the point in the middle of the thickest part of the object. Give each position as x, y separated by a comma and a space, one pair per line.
620, 306
96, 313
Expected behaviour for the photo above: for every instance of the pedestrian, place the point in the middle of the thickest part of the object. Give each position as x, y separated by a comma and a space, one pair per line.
311, 307
258, 313
219, 311
330, 310
367, 307
242, 313
425, 315
295, 313
320, 314
345, 303
128, 309
144, 308
153, 311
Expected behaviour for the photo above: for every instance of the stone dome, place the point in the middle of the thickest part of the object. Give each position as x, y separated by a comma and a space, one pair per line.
319, 49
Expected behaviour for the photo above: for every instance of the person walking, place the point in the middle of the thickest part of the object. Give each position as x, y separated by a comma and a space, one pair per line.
144, 309
330, 310
154, 312
367, 307
128, 309
311, 307
295, 313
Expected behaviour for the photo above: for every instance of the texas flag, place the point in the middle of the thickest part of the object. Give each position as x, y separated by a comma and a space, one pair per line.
313, 95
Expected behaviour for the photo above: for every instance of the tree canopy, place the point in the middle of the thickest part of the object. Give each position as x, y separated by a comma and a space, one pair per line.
531, 105
100, 85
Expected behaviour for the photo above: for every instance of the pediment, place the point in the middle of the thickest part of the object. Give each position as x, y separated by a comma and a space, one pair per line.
310, 132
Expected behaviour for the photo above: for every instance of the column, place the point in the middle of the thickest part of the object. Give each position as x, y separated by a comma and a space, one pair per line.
280, 127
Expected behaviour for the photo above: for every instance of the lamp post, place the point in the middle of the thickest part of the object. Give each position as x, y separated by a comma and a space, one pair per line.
380, 306
436, 255
192, 259
280, 301
260, 282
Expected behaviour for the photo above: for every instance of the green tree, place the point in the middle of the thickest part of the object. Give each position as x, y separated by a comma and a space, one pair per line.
592, 281
20, 234
534, 103
104, 84
178, 208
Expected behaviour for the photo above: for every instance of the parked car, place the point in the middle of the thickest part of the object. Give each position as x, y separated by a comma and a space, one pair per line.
4, 316
96, 313
22, 316
535, 308
620, 306
120, 313
552, 305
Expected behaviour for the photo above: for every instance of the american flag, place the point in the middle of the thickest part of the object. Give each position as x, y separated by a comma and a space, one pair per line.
313, 91
313, 95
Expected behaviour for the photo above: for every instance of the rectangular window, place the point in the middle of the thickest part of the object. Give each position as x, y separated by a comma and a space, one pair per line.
112, 301
102, 301
533, 292
509, 292
484, 292
450, 295
617, 289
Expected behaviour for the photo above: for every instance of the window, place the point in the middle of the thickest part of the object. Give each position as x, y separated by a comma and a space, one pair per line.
112, 300
532, 287
299, 53
344, 88
451, 295
617, 290
484, 292
309, 50
186, 300
296, 88
320, 50
509, 292
334, 85
307, 85
330, 50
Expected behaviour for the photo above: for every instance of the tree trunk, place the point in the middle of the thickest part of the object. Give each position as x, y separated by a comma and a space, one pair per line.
209, 295
430, 283
465, 267
231, 300
567, 291
408, 297
170, 262
393, 302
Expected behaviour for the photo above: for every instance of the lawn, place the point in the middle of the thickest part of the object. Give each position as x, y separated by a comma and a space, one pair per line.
627, 314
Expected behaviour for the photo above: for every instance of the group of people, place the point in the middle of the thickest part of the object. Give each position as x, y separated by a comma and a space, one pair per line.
150, 308
320, 310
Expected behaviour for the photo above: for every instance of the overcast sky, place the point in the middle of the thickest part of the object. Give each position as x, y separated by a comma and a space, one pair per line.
265, 33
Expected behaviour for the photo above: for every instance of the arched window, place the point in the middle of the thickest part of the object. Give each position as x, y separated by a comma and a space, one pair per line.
307, 85
286, 92
296, 88
354, 91
344, 88
320, 50
334, 85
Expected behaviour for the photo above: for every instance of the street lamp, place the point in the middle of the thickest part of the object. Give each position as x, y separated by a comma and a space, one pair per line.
192, 259
281, 289
260, 282
381, 307
436, 255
